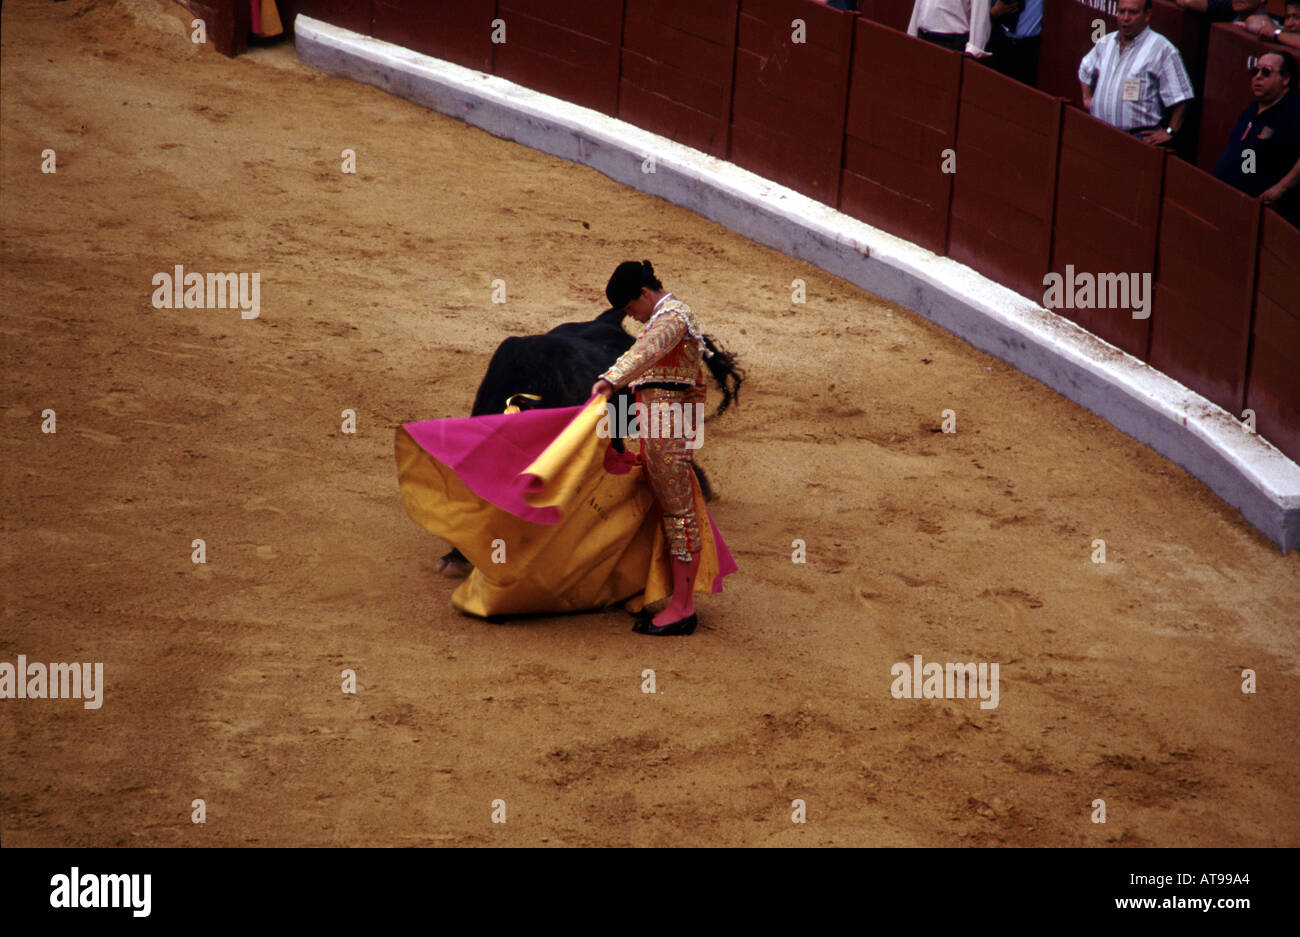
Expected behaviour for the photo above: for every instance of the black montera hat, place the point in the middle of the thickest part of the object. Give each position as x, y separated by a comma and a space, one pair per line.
625, 285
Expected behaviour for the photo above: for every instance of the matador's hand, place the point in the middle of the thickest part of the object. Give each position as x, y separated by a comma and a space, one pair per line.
602, 387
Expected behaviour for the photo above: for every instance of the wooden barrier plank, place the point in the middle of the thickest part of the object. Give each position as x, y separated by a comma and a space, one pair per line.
895, 14
789, 98
776, 111
655, 31
1205, 284
559, 76
459, 32
1004, 189
671, 119
355, 15
601, 20
1107, 221
226, 23
893, 156
793, 71
1273, 384
714, 21
678, 63
554, 48
800, 166
683, 87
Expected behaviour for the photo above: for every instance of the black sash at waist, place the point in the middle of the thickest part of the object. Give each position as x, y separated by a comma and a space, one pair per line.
663, 385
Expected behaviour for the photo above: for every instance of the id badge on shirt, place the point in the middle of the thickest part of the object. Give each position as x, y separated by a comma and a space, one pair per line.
1132, 89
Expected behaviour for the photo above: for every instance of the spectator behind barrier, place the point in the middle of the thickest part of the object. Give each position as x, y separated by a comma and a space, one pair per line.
1253, 17
1134, 75
1226, 11
1289, 34
954, 24
1017, 28
1262, 157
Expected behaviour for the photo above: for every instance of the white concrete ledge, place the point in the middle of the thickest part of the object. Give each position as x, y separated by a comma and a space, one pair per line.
1206, 440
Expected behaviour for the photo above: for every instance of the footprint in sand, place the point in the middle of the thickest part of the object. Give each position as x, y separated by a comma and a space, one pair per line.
1015, 603
106, 439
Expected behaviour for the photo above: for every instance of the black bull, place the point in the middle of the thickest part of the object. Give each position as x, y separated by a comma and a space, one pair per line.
560, 367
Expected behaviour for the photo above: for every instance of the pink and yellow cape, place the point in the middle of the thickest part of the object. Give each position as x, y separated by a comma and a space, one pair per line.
551, 516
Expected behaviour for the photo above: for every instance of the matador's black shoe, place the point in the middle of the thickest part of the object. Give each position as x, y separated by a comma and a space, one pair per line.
682, 626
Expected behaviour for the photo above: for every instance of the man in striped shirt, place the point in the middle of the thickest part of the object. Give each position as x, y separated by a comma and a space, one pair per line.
1134, 75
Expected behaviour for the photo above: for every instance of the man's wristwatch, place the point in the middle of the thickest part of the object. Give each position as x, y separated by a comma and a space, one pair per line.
1277, 32
1170, 131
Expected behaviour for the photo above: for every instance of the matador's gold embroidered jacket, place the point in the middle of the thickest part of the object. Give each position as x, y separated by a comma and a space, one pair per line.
670, 350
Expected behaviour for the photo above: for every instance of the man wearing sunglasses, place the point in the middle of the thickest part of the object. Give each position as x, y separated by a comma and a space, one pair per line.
1262, 157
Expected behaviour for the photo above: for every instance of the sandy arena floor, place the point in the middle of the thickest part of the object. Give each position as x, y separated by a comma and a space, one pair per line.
1119, 681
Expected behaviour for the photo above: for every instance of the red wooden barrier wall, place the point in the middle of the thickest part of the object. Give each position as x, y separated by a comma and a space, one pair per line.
1200, 326
1004, 189
893, 149
355, 15
1227, 88
566, 48
1273, 387
679, 57
895, 14
226, 23
458, 32
1107, 218
787, 116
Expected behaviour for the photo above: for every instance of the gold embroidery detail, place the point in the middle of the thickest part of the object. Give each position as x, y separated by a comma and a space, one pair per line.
668, 463
670, 331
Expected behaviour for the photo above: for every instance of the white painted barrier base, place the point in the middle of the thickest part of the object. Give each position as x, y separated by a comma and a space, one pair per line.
1154, 409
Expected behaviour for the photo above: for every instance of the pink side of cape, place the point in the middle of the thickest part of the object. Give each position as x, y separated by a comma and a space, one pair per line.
726, 563
489, 453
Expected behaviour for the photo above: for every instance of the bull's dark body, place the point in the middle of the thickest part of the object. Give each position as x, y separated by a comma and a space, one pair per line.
559, 367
